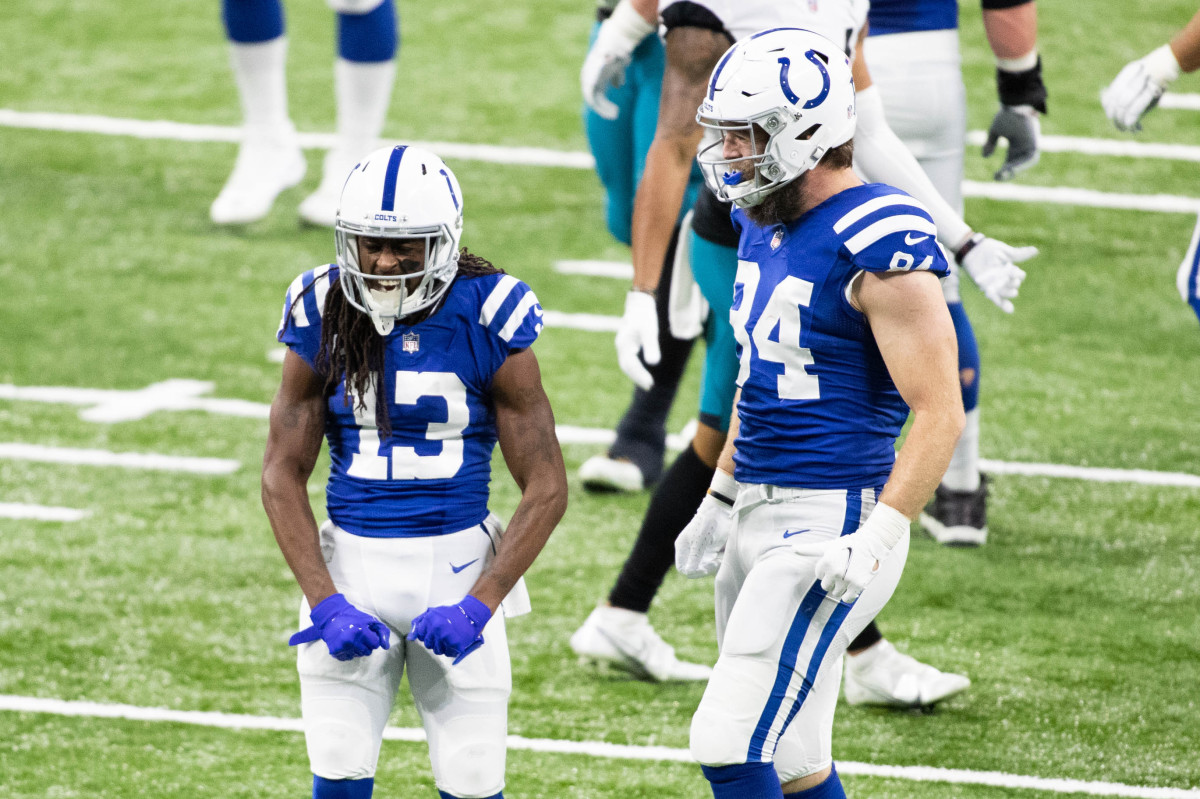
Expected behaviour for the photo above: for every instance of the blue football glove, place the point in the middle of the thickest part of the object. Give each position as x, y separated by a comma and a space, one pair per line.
454, 630
347, 631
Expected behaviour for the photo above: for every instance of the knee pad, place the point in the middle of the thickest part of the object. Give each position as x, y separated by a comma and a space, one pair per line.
468, 757
709, 741
338, 734
252, 21
369, 35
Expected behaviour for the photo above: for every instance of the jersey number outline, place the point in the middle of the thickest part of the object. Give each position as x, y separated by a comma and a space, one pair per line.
405, 464
782, 311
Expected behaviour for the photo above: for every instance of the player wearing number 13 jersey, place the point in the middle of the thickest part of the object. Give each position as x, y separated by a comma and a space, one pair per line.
411, 357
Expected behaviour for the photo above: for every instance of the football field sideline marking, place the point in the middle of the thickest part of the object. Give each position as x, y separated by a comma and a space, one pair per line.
109, 401
537, 156
597, 749
127, 460
41, 513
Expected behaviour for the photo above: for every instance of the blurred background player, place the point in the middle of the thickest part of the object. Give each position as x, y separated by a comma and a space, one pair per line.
841, 329
697, 35
1135, 91
413, 359
621, 80
269, 158
912, 53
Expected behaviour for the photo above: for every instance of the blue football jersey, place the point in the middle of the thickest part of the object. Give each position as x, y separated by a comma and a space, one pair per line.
818, 407
907, 16
431, 476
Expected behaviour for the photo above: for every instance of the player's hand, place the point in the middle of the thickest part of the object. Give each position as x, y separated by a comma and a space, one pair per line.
1020, 127
701, 546
454, 630
992, 265
846, 565
638, 334
347, 631
609, 57
1138, 88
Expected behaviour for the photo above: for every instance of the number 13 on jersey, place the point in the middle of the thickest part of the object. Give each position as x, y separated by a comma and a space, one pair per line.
782, 313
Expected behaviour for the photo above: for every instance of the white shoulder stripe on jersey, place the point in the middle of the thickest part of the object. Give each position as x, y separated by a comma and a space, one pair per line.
297, 308
499, 294
322, 288
518, 316
871, 206
887, 226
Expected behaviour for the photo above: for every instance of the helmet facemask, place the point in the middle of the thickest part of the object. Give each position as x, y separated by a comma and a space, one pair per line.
387, 298
745, 180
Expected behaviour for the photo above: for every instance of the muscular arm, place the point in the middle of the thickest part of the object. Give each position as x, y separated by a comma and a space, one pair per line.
692, 53
648, 9
1011, 32
525, 425
1185, 45
293, 444
912, 328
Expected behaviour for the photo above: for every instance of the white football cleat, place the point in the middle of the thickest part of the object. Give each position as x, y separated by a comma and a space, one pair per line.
320, 207
626, 639
884, 676
602, 473
265, 167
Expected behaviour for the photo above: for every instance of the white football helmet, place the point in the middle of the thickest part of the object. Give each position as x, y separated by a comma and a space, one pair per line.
401, 193
791, 93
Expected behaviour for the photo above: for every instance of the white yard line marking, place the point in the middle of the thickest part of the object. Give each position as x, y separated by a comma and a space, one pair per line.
615, 269
1180, 102
114, 404
596, 323
567, 434
42, 513
1121, 148
127, 460
598, 749
534, 156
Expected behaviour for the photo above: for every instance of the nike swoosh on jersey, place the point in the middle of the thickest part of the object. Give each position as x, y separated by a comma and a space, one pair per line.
909, 240
790, 533
457, 569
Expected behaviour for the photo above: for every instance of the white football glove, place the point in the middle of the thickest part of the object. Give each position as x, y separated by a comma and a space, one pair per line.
1138, 87
846, 565
701, 546
992, 265
610, 55
638, 333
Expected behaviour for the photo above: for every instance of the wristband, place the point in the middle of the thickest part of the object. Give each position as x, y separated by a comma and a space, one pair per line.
971, 243
723, 487
1023, 87
887, 524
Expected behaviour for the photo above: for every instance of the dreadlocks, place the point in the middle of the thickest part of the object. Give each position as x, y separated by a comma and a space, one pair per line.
351, 347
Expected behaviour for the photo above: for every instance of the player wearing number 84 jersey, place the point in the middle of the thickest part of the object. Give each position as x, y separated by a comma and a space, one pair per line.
412, 358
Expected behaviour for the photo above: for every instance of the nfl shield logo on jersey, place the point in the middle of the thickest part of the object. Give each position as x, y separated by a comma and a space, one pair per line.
411, 342
777, 239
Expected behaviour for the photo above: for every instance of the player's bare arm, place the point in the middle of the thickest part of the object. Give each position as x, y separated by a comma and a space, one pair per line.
691, 55
912, 327
525, 428
293, 444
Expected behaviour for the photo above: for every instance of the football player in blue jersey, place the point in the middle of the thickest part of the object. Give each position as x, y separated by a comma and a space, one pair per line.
841, 329
269, 158
412, 358
1133, 93
913, 54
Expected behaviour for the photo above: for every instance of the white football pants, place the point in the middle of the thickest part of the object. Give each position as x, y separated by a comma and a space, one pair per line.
772, 693
463, 708
920, 81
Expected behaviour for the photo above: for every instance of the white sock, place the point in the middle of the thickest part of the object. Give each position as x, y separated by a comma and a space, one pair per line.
364, 90
963, 472
259, 70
